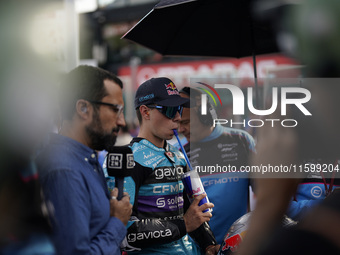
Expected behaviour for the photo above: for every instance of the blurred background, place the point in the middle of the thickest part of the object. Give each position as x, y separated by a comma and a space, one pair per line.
72, 32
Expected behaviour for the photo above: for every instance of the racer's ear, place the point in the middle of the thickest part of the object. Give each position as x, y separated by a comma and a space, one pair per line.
145, 112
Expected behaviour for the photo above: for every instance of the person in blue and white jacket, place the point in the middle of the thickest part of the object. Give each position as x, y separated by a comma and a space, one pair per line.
162, 215
218, 154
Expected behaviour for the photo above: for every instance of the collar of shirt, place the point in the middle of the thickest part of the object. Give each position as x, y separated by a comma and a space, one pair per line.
217, 132
89, 155
86, 152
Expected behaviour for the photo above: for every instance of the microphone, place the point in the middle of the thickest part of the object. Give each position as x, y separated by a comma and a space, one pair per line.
119, 163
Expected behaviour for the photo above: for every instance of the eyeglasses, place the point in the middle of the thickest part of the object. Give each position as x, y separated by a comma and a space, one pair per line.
168, 111
117, 108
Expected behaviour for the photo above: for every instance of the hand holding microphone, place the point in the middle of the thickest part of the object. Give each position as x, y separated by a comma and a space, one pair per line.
120, 209
119, 163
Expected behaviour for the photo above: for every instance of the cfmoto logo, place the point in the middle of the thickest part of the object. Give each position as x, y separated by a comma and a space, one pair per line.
316, 191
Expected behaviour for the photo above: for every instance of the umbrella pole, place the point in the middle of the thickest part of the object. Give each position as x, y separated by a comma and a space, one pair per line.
256, 88
255, 77
254, 64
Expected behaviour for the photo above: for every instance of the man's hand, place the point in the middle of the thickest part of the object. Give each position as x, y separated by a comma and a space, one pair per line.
194, 216
120, 209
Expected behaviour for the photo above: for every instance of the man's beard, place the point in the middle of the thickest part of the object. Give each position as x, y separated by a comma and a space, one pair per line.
99, 139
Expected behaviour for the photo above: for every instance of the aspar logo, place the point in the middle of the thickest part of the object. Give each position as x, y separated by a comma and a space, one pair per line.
133, 237
168, 172
171, 89
239, 103
150, 154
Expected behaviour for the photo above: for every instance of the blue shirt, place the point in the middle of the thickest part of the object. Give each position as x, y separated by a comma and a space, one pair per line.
228, 191
73, 181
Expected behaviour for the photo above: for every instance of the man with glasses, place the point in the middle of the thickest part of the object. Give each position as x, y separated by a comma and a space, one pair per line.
158, 224
88, 220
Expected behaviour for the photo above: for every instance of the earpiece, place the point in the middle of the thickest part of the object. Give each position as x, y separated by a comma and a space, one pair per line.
211, 112
84, 109
209, 117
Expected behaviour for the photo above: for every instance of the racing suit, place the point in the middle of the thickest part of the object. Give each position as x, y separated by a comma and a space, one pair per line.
156, 192
312, 190
224, 149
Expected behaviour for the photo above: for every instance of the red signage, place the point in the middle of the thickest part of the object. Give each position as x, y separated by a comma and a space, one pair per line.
181, 72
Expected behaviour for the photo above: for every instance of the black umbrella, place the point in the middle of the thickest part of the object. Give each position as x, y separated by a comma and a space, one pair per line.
223, 28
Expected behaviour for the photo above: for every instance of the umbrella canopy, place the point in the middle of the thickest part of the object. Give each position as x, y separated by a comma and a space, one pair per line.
223, 28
